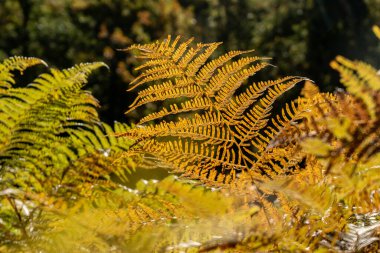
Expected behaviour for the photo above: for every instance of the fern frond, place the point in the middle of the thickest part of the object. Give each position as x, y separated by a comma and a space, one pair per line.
234, 70
165, 92
194, 66
207, 71
45, 122
195, 104
15, 63
168, 60
21, 63
256, 118
238, 106
165, 71
206, 127
179, 52
223, 122
123, 214
182, 152
226, 92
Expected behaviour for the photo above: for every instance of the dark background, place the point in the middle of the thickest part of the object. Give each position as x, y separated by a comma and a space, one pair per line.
302, 36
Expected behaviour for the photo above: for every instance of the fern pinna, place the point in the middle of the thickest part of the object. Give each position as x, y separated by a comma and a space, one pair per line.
229, 128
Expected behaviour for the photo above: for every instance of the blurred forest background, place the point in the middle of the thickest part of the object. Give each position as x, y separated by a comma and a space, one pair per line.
302, 36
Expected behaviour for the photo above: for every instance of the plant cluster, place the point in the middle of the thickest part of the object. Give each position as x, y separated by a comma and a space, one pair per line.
247, 178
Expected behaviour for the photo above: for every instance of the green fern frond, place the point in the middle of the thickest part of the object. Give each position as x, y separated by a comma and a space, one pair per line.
15, 63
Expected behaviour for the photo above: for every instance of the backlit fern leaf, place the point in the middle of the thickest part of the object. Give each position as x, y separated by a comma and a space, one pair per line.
187, 128
238, 106
207, 70
229, 73
229, 120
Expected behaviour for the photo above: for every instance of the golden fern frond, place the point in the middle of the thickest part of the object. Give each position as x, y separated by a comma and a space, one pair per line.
167, 60
256, 118
195, 104
207, 70
235, 70
197, 63
164, 71
227, 90
347, 128
179, 52
217, 141
165, 92
188, 57
182, 152
157, 49
206, 127
238, 106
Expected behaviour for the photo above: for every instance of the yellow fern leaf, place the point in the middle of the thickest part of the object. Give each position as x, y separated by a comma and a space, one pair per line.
195, 104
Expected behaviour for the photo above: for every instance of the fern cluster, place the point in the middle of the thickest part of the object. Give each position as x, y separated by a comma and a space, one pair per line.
309, 170
248, 179
53, 147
